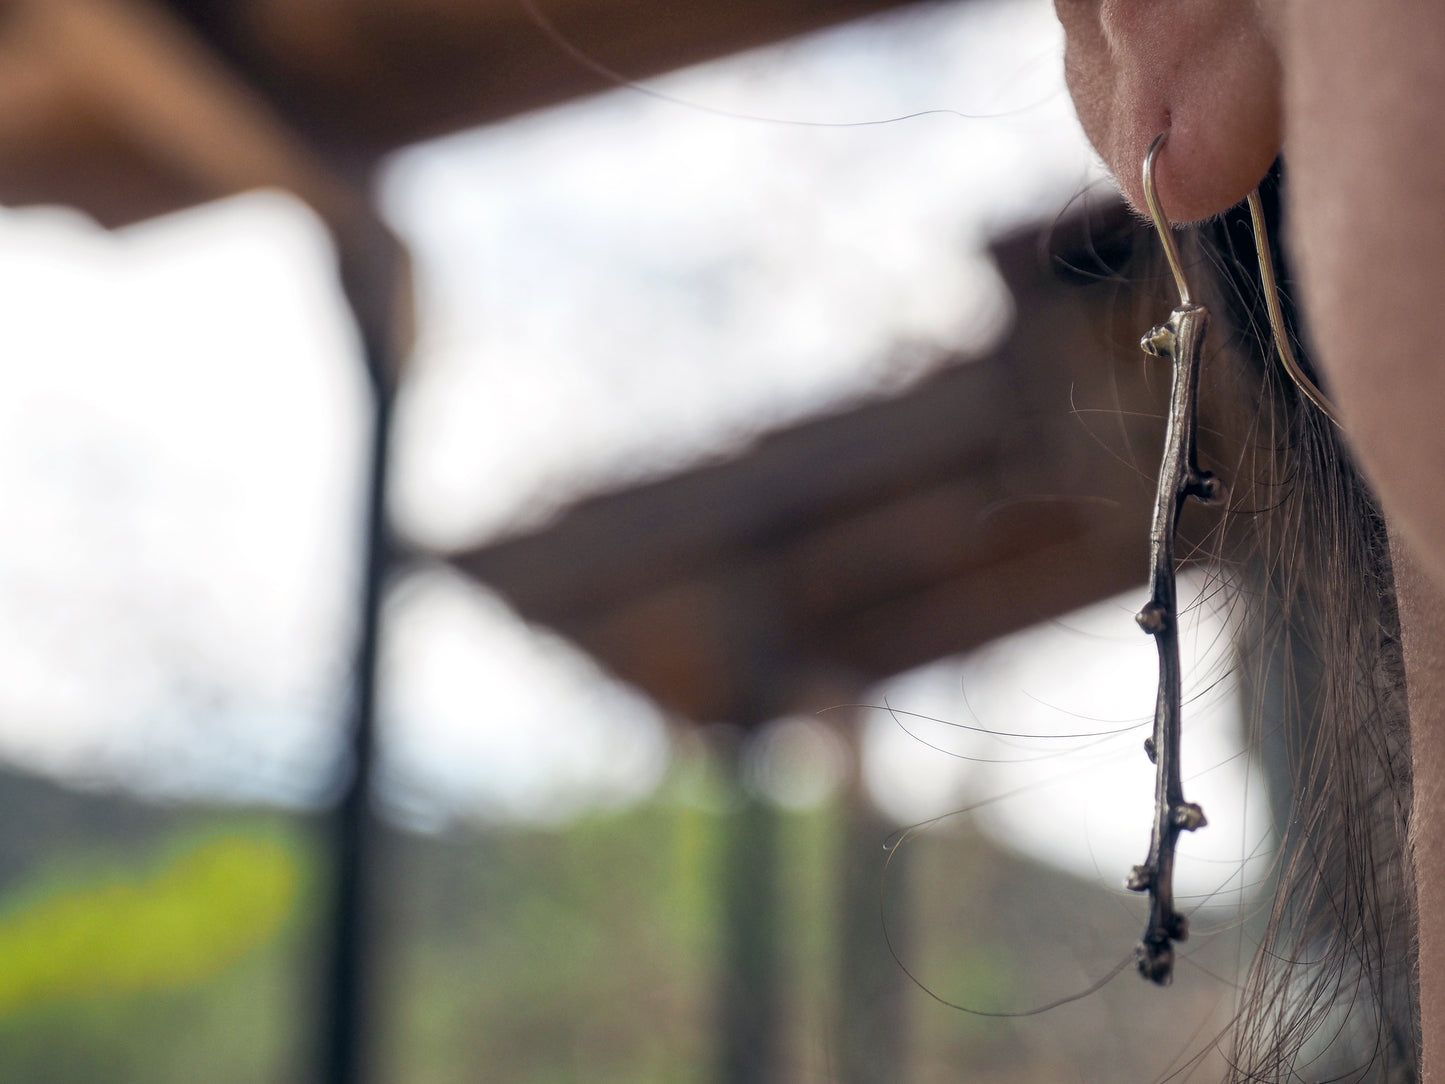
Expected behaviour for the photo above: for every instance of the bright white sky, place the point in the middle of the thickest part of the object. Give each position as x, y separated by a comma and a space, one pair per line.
609, 290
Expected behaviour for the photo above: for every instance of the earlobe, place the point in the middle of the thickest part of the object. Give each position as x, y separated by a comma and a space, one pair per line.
1202, 70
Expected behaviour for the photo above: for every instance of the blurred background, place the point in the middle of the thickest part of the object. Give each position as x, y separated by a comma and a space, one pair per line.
583, 541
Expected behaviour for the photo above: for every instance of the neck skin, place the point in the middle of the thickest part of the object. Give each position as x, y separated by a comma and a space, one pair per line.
1363, 89
1422, 624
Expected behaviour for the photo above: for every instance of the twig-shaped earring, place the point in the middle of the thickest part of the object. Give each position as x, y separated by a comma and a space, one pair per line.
1181, 339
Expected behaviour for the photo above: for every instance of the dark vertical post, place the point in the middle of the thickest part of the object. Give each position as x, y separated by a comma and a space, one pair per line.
376, 280
872, 1006
751, 1006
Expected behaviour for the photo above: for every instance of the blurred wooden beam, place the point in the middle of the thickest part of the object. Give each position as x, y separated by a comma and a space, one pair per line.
128, 109
999, 492
115, 108
362, 77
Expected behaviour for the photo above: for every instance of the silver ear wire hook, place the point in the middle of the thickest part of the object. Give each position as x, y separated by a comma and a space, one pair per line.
1181, 339
1270, 285
1161, 224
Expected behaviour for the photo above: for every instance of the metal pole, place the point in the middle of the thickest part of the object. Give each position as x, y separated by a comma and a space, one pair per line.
375, 278
751, 1009
872, 999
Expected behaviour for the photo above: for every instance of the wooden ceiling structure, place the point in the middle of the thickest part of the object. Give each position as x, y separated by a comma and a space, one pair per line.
132, 108
999, 492
978, 502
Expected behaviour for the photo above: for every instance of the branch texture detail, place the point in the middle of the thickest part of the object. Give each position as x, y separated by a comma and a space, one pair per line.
1181, 339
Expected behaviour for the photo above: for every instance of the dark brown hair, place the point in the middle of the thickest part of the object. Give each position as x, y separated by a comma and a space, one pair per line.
1331, 992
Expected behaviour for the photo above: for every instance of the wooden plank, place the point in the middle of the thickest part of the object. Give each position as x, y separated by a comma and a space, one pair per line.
1000, 492
113, 107
128, 109
362, 77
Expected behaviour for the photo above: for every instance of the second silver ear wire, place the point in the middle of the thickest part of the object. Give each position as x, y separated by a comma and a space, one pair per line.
1270, 285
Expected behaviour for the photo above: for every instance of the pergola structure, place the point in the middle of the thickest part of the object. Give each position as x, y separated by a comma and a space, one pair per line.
997, 493
1000, 491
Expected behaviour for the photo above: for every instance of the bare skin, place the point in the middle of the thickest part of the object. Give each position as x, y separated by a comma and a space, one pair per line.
1352, 90
1422, 612
1201, 69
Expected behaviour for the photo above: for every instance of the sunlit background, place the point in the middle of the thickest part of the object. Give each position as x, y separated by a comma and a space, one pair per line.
609, 291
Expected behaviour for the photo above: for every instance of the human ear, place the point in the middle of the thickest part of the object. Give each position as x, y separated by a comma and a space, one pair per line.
1202, 70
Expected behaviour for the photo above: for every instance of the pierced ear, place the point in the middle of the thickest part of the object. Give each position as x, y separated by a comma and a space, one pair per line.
1202, 70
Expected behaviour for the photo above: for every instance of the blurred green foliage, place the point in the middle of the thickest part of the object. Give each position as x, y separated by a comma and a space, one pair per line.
542, 956
198, 913
169, 949
169, 946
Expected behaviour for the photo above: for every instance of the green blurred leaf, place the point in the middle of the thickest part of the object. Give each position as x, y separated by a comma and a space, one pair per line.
186, 922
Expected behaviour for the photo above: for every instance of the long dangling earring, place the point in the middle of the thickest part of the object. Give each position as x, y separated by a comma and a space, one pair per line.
1181, 339
1270, 285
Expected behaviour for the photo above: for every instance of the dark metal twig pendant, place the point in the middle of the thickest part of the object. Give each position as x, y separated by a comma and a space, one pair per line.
1181, 339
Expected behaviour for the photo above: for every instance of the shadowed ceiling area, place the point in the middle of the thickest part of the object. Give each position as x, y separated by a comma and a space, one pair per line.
128, 108
362, 77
